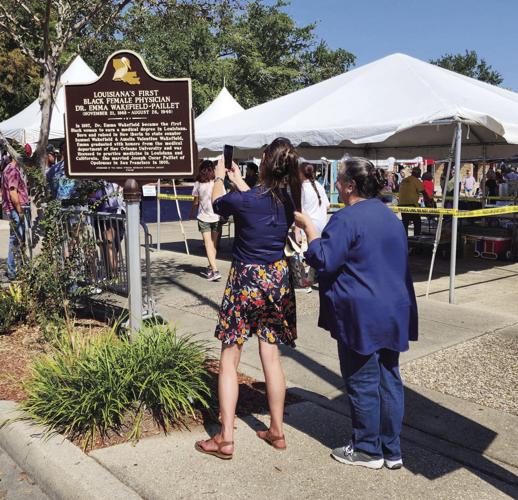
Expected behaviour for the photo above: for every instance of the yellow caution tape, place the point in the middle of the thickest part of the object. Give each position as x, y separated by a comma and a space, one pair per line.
482, 212
179, 197
405, 210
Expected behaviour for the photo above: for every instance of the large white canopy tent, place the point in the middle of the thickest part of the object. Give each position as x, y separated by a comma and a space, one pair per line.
396, 106
24, 127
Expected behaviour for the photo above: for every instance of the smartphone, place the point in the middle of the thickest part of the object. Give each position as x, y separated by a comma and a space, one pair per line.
228, 155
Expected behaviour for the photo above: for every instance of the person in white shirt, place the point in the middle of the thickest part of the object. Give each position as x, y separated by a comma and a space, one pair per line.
469, 183
209, 223
315, 202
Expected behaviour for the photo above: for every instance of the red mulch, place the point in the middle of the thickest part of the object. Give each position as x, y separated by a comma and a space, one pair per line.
16, 351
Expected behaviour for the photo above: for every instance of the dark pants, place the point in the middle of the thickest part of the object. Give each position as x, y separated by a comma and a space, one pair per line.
375, 392
415, 218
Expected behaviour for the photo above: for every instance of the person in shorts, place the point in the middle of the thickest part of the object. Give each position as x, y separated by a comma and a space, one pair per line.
209, 223
259, 300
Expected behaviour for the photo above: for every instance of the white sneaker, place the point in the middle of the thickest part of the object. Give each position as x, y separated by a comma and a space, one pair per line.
393, 464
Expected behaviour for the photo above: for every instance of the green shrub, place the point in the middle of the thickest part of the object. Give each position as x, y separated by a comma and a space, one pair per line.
168, 375
79, 389
12, 307
90, 386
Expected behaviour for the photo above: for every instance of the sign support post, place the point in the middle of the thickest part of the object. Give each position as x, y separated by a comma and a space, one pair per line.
132, 198
158, 215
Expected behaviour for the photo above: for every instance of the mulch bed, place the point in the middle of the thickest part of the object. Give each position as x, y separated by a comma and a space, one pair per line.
20, 346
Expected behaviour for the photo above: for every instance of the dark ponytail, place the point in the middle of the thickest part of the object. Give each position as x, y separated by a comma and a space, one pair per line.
280, 166
369, 180
308, 171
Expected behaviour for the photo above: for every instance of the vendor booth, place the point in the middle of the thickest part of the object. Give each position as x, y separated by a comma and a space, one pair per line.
396, 107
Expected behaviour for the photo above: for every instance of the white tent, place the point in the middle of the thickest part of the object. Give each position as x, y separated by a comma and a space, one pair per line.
395, 103
24, 127
391, 107
222, 107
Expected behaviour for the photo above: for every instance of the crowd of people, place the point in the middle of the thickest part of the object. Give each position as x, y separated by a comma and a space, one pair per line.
98, 196
367, 301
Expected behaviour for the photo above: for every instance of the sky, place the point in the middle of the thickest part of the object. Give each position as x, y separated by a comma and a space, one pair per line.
425, 29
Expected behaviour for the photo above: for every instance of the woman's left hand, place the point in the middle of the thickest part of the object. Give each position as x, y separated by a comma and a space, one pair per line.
302, 220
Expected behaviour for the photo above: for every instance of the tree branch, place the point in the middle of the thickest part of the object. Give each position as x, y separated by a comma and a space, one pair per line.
29, 11
5, 143
19, 40
17, 24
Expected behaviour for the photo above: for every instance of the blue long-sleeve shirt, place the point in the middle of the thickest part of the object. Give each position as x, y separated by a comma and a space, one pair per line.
262, 224
367, 298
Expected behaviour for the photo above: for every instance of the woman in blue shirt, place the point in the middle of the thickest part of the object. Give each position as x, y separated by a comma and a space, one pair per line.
258, 298
367, 303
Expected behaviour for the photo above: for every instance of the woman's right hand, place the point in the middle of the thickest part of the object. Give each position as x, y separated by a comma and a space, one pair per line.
219, 169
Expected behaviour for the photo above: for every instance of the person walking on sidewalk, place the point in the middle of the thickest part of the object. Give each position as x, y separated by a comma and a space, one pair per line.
258, 298
15, 203
367, 303
209, 223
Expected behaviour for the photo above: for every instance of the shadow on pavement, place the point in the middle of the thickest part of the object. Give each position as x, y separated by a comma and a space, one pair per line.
473, 437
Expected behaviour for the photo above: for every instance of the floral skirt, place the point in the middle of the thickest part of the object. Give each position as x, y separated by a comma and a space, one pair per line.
259, 299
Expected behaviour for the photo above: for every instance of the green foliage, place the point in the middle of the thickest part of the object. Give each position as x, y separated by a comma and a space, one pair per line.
256, 47
79, 389
19, 79
89, 386
470, 65
12, 307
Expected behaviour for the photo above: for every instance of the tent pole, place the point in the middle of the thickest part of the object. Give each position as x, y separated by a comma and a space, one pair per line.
438, 231
455, 220
180, 219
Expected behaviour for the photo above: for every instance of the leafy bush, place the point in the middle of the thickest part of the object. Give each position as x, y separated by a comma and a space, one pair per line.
168, 375
87, 386
12, 307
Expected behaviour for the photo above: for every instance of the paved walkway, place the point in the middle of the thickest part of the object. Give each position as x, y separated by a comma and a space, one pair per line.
452, 447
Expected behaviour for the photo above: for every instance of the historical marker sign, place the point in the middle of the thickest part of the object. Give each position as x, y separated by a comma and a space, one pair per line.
129, 123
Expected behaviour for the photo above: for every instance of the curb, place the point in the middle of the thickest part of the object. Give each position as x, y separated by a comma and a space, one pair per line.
59, 468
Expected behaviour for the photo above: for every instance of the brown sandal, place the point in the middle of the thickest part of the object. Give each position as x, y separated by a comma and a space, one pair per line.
217, 453
272, 440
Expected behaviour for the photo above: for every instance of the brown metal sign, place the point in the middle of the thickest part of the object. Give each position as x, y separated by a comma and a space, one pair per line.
129, 123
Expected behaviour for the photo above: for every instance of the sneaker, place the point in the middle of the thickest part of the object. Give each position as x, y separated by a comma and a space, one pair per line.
308, 289
206, 272
393, 464
213, 275
347, 455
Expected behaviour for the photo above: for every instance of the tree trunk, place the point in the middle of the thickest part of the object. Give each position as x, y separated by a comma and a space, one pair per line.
46, 102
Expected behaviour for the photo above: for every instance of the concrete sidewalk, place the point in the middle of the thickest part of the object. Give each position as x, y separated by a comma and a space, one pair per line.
452, 447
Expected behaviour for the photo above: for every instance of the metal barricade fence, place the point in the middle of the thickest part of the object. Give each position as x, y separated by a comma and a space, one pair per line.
96, 242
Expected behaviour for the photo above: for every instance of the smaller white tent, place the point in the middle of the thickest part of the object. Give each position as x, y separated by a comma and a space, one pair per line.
222, 107
24, 127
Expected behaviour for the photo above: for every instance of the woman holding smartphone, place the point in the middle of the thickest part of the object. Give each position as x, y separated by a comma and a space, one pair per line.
258, 300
